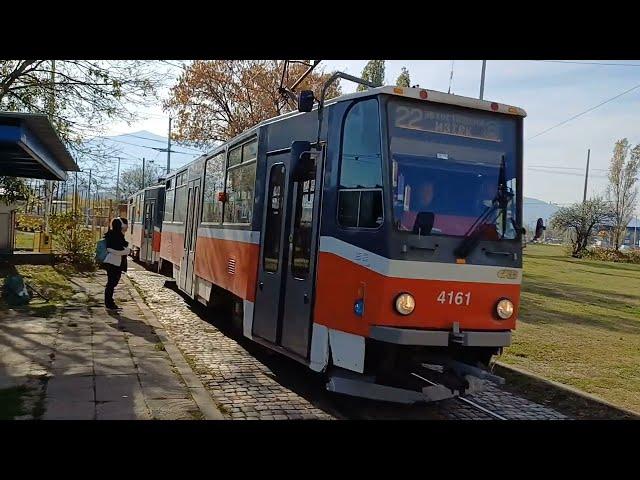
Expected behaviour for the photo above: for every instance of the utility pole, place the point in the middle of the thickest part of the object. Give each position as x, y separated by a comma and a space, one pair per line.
75, 197
48, 184
586, 177
89, 194
118, 182
143, 172
169, 148
484, 66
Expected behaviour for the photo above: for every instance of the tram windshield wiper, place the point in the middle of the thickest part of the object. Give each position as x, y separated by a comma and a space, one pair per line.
500, 201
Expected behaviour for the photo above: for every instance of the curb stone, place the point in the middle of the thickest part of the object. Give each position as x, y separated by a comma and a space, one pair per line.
200, 395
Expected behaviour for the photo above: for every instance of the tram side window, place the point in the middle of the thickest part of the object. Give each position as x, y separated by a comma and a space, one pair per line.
213, 184
241, 180
302, 228
360, 193
139, 209
180, 209
273, 228
168, 205
132, 214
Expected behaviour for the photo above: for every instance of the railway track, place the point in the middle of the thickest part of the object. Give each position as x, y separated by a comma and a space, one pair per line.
247, 380
465, 400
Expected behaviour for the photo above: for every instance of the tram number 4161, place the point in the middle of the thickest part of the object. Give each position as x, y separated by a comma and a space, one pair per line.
454, 298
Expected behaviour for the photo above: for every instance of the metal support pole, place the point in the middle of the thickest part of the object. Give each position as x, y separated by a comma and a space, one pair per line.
118, 183
169, 148
586, 177
484, 66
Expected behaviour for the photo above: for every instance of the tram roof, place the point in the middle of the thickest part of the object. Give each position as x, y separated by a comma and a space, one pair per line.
417, 93
406, 92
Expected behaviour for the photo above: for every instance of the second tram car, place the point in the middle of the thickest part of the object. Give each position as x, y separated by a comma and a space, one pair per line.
145, 212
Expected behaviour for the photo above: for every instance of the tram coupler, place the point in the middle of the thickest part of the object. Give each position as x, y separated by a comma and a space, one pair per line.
356, 385
465, 370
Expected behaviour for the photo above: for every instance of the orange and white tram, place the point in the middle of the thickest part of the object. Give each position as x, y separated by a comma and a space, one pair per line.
380, 236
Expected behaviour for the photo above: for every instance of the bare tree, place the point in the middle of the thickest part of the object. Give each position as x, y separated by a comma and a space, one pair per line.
131, 180
81, 97
581, 220
622, 191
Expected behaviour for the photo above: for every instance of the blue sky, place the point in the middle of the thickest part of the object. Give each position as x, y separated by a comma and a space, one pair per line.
550, 92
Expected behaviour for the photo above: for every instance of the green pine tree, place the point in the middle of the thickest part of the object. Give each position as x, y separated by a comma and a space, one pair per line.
373, 72
403, 79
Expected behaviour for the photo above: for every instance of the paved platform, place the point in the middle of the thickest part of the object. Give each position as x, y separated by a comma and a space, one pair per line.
84, 363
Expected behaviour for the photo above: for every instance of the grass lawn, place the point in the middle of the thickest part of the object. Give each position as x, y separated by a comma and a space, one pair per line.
52, 282
579, 324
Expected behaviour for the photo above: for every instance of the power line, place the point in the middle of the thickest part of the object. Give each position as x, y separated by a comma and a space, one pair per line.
592, 63
564, 168
144, 146
586, 111
155, 140
576, 174
172, 64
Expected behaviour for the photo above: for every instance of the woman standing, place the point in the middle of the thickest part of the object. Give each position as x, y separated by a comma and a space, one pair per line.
116, 259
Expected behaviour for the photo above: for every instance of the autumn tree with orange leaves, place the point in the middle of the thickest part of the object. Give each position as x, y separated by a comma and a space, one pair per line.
215, 100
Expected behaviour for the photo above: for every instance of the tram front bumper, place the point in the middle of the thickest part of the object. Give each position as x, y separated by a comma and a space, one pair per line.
440, 338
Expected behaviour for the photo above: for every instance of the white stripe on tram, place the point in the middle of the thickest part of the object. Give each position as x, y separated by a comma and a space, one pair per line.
420, 270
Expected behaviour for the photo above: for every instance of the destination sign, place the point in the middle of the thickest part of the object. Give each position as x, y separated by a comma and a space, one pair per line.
446, 123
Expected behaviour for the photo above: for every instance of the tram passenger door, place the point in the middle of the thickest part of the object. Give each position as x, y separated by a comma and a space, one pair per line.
190, 235
272, 254
303, 242
286, 274
146, 249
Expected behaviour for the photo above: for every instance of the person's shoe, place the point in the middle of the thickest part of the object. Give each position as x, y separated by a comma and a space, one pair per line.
112, 308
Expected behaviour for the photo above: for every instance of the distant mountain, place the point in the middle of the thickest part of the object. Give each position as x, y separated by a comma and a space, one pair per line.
133, 147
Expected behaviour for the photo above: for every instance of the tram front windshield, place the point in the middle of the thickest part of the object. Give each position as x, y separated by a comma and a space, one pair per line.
447, 165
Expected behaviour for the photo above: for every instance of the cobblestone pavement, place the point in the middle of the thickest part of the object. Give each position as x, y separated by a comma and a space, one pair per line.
249, 382
84, 364
501, 402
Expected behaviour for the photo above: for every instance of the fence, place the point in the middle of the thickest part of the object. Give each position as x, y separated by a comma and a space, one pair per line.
96, 216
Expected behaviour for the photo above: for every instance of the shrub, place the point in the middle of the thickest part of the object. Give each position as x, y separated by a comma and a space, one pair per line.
613, 255
29, 223
73, 241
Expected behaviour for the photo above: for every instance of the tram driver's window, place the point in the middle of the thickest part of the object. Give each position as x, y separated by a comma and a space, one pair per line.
360, 192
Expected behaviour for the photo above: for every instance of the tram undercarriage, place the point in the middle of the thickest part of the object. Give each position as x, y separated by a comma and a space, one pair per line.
416, 374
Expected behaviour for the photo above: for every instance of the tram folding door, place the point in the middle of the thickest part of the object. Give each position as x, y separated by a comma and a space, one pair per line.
146, 248
288, 247
185, 279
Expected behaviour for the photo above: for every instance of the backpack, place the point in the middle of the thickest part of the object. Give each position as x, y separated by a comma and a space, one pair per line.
16, 291
101, 250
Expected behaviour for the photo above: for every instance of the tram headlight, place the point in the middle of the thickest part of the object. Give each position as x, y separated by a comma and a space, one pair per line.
405, 303
505, 309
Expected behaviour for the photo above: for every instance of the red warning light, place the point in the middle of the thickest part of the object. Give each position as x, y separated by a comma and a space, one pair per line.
423, 94
494, 106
